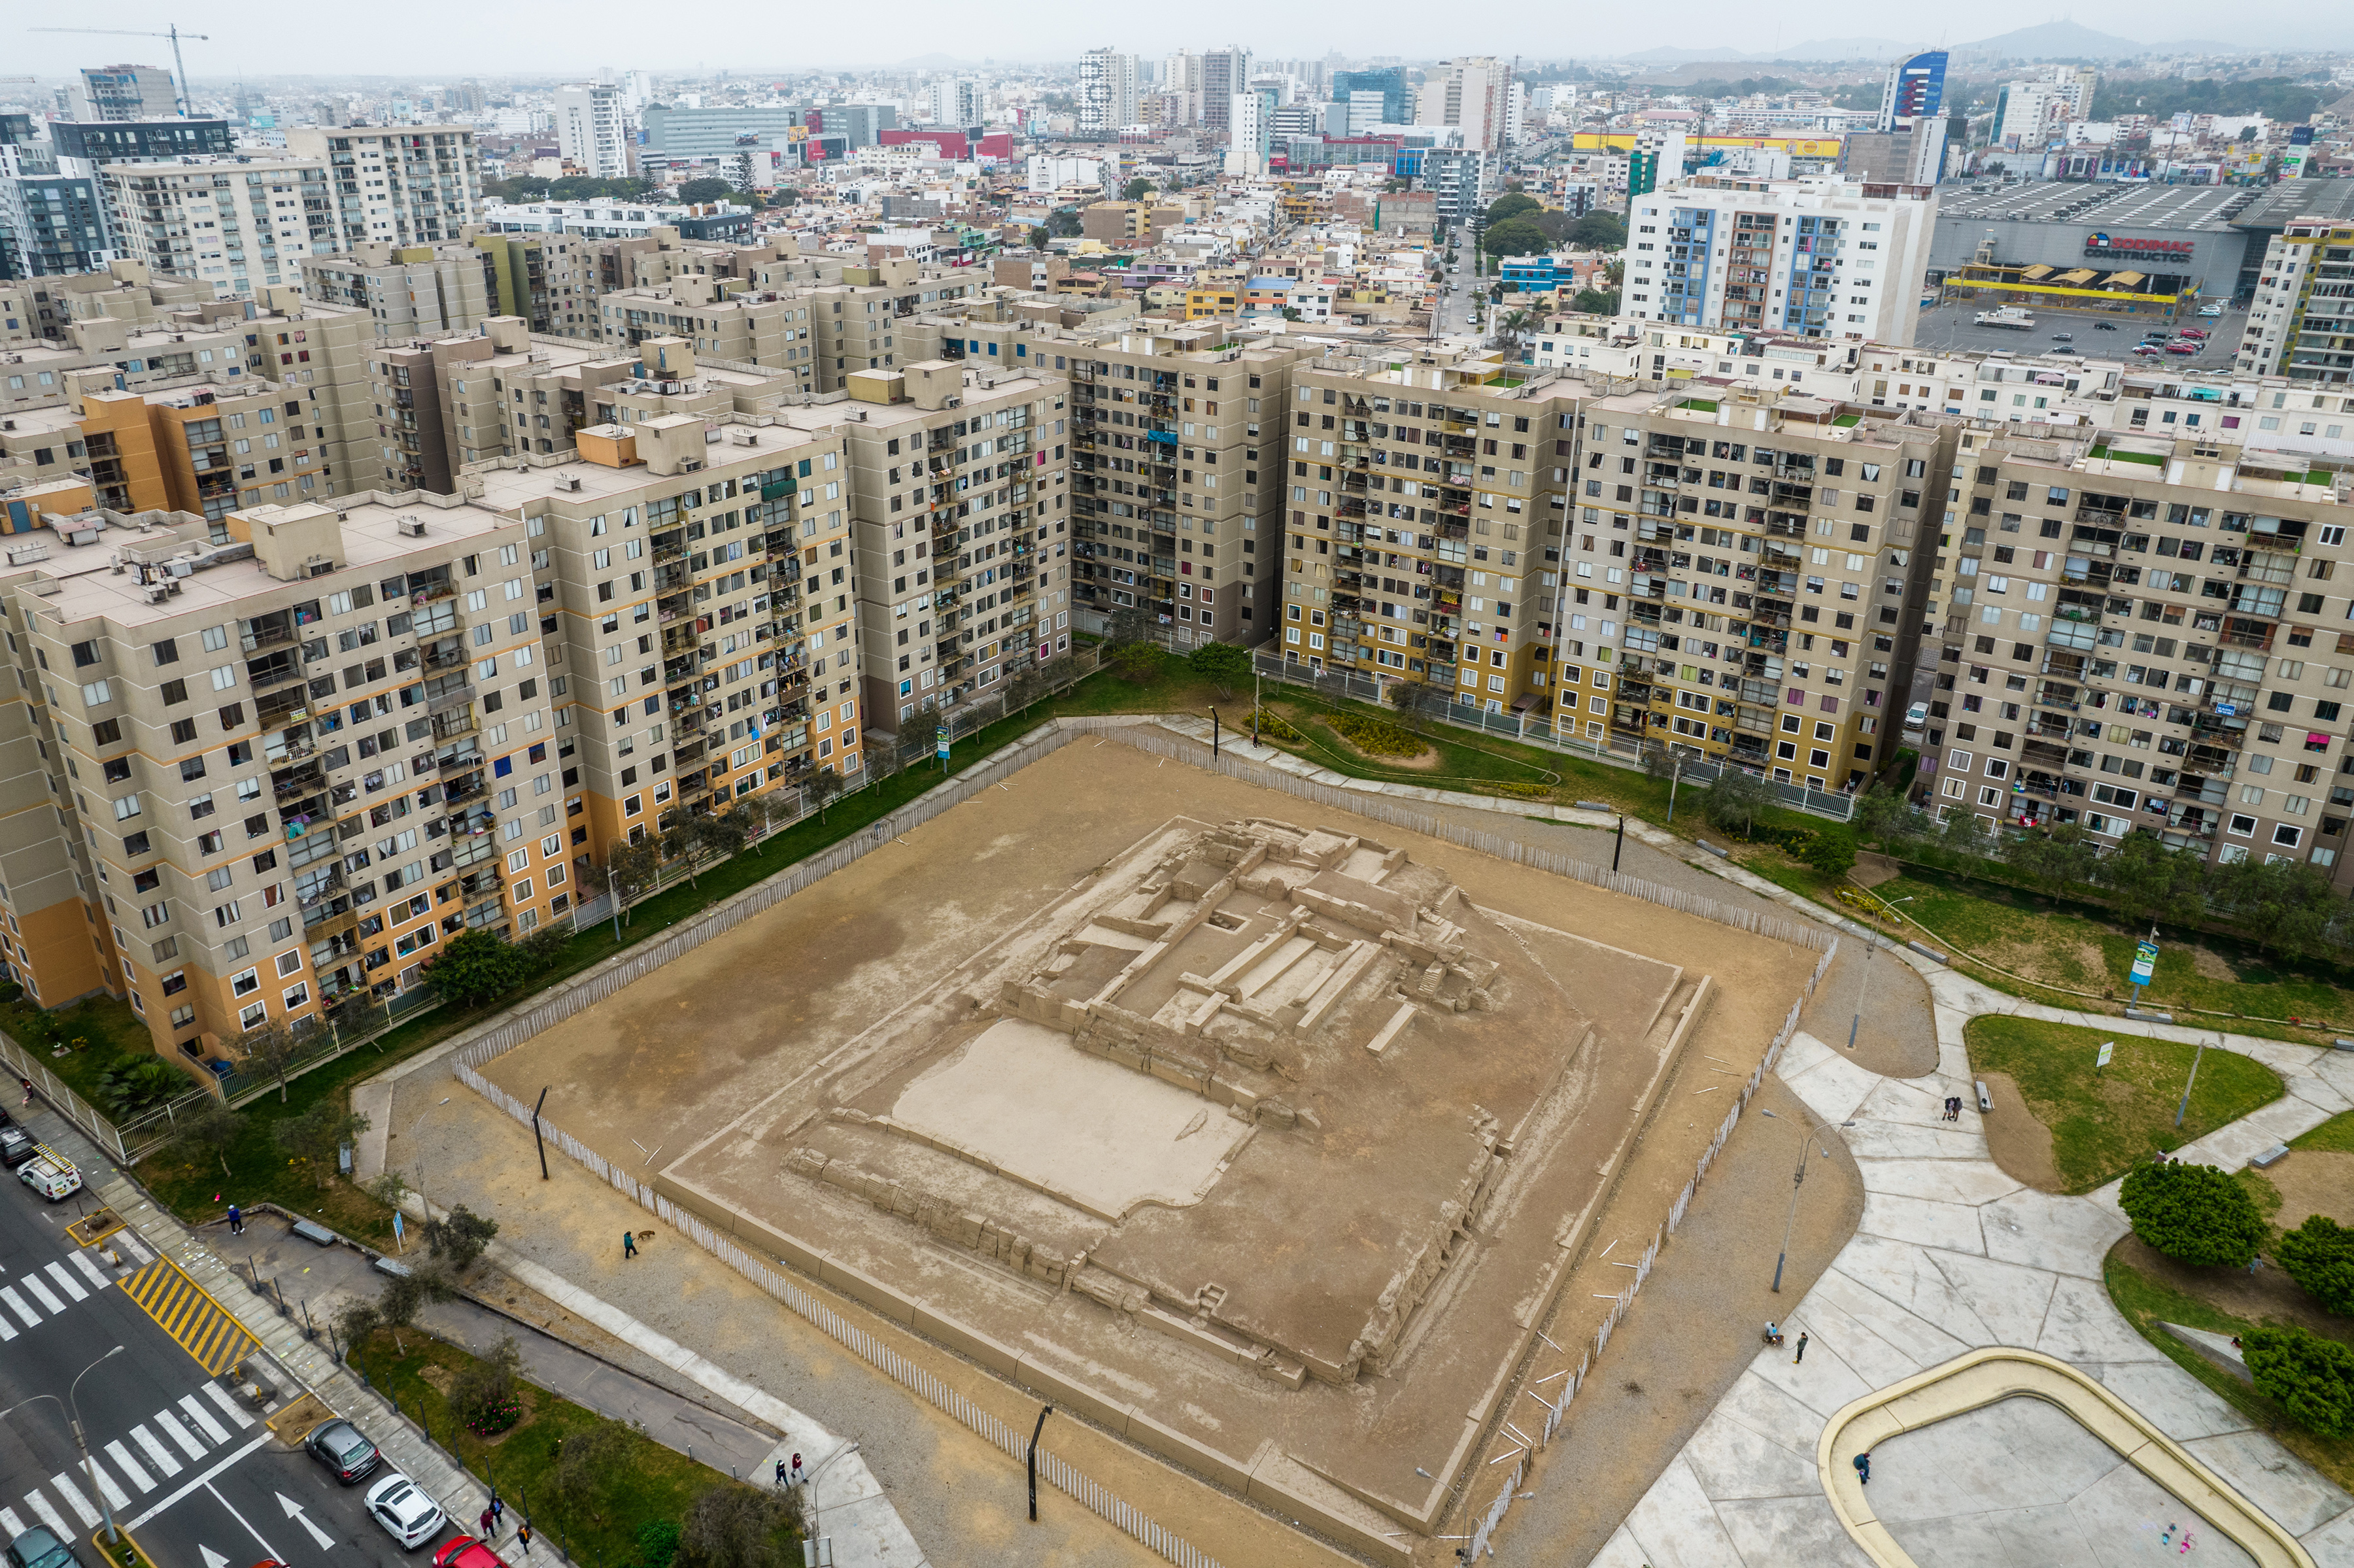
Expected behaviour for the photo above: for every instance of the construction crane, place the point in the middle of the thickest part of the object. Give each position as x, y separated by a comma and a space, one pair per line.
174, 33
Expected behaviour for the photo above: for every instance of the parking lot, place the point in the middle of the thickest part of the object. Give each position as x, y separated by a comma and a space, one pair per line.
1952, 327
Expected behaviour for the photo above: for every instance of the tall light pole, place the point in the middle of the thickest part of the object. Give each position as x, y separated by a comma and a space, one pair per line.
73, 1411
1863, 991
1798, 1180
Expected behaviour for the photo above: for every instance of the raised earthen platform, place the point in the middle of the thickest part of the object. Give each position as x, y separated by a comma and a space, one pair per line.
1260, 1134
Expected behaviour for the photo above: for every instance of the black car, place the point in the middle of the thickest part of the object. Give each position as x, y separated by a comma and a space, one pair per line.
37, 1548
2104, 327
17, 1146
339, 1446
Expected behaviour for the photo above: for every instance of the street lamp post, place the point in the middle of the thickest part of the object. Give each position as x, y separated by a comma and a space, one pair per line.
1863, 991
73, 1414
1798, 1180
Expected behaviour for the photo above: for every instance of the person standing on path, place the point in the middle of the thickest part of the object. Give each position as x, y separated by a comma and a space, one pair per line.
498, 1510
1864, 1469
522, 1537
629, 1244
1802, 1351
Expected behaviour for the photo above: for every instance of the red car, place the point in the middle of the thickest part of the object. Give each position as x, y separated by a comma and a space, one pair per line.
2182, 348
465, 1551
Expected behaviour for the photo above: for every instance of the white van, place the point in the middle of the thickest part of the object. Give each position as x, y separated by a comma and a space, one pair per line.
51, 1175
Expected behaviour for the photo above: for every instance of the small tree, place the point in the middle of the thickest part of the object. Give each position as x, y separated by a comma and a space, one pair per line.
699, 191
1831, 851
1136, 190
1416, 702
476, 966
657, 1544
208, 1132
268, 1052
723, 834
588, 1461
2147, 881
2054, 861
131, 1084
1131, 624
405, 1294
1023, 684
545, 949
2311, 1377
317, 1136
1224, 666
484, 1395
2319, 1256
689, 838
633, 868
821, 787
1136, 663
354, 1321
1734, 800
458, 1237
733, 1526
2192, 1213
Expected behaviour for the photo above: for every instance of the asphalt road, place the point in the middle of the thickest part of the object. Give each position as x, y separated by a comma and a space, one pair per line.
194, 1474
1952, 327
1463, 286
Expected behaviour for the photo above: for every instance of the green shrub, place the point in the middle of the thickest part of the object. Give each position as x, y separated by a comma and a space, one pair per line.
2311, 1377
1832, 852
2319, 1256
2192, 1213
1271, 726
1378, 738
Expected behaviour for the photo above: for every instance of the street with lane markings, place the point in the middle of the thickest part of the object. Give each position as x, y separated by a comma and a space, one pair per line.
174, 1455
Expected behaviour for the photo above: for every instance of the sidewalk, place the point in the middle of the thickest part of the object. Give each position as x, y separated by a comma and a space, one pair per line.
308, 1364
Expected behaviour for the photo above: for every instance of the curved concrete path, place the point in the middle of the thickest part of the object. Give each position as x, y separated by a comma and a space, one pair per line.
1953, 1255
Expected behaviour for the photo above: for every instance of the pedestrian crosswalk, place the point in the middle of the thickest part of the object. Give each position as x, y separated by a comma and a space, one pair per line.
34, 1296
196, 1323
180, 1436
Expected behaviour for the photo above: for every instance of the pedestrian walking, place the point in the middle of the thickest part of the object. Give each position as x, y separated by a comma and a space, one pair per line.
522, 1537
782, 1468
28, 1090
629, 1244
236, 1220
1864, 1469
498, 1510
1802, 1351
798, 1474
486, 1527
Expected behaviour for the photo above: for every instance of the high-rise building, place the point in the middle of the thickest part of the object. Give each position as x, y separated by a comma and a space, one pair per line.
1181, 82
1814, 258
2301, 320
1657, 156
1225, 73
1907, 144
407, 290
591, 130
1107, 93
125, 92
400, 184
1250, 131
1460, 178
240, 222
1473, 93
956, 100
1915, 91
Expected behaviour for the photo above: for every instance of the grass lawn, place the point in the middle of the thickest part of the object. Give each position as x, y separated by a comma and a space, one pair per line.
2146, 1302
2336, 1134
2102, 1121
653, 1484
105, 1024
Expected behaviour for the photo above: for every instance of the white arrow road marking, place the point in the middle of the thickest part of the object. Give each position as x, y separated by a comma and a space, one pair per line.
212, 1559
295, 1512
203, 1418
204, 1479
237, 1516
129, 1466
74, 1499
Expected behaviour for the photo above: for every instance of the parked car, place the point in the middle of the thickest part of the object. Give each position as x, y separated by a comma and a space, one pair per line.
52, 1176
467, 1552
37, 1548
2182, 350
2147, 350
407, 1515
1916, 715
17, 1146
2192, 334
2210, 310
338, 1444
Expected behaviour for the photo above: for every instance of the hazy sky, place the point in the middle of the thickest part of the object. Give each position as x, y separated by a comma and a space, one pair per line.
438, 39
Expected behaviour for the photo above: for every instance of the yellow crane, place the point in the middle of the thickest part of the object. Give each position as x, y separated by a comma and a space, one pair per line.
173, 33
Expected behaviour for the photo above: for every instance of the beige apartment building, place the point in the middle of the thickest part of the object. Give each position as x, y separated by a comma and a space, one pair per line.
237, 222
407, 290
396, 184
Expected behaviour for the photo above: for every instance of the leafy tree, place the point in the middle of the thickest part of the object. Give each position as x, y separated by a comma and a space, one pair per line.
690, 839
699, 191
2319, 1256
475, 966
735, 1526
1596, 302
1831, 851
319, 1134
723, 834
633, 868
1510, 205
1131, 624
129, 1084
1137, 662
1514, 237
545, 949
2147, 881
269, 1051
1063, 223
1023, 685
2311, 1377
588, 1462
458, 1236
1734, 800
1038, 236
483, 1393
1222, 664
1136, 189
1599, 231
208, 1132
354, 1321
2055, 861
1416, 702
657, 1544
2286, 908
1966, 835
821, 787
405, 1294
2193, 1214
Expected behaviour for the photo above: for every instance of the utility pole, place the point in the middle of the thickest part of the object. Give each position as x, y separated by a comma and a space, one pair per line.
2184, 1108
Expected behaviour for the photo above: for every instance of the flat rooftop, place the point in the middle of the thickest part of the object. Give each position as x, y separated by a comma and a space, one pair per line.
2211, 208
2284, 204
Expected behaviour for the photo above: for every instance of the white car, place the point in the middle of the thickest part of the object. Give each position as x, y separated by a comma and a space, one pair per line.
1916, 715
407, 1515
2210, 311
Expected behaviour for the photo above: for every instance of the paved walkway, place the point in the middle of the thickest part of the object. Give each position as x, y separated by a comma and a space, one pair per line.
1953, 1253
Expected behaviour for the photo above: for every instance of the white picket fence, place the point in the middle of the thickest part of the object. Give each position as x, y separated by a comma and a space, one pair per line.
505, 1034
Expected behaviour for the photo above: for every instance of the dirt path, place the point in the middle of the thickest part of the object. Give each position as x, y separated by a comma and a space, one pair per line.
2314, 1181
2020, 1144
2267, 1296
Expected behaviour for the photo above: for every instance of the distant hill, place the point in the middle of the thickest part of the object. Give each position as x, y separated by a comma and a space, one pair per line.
1840, 49
2056, 40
